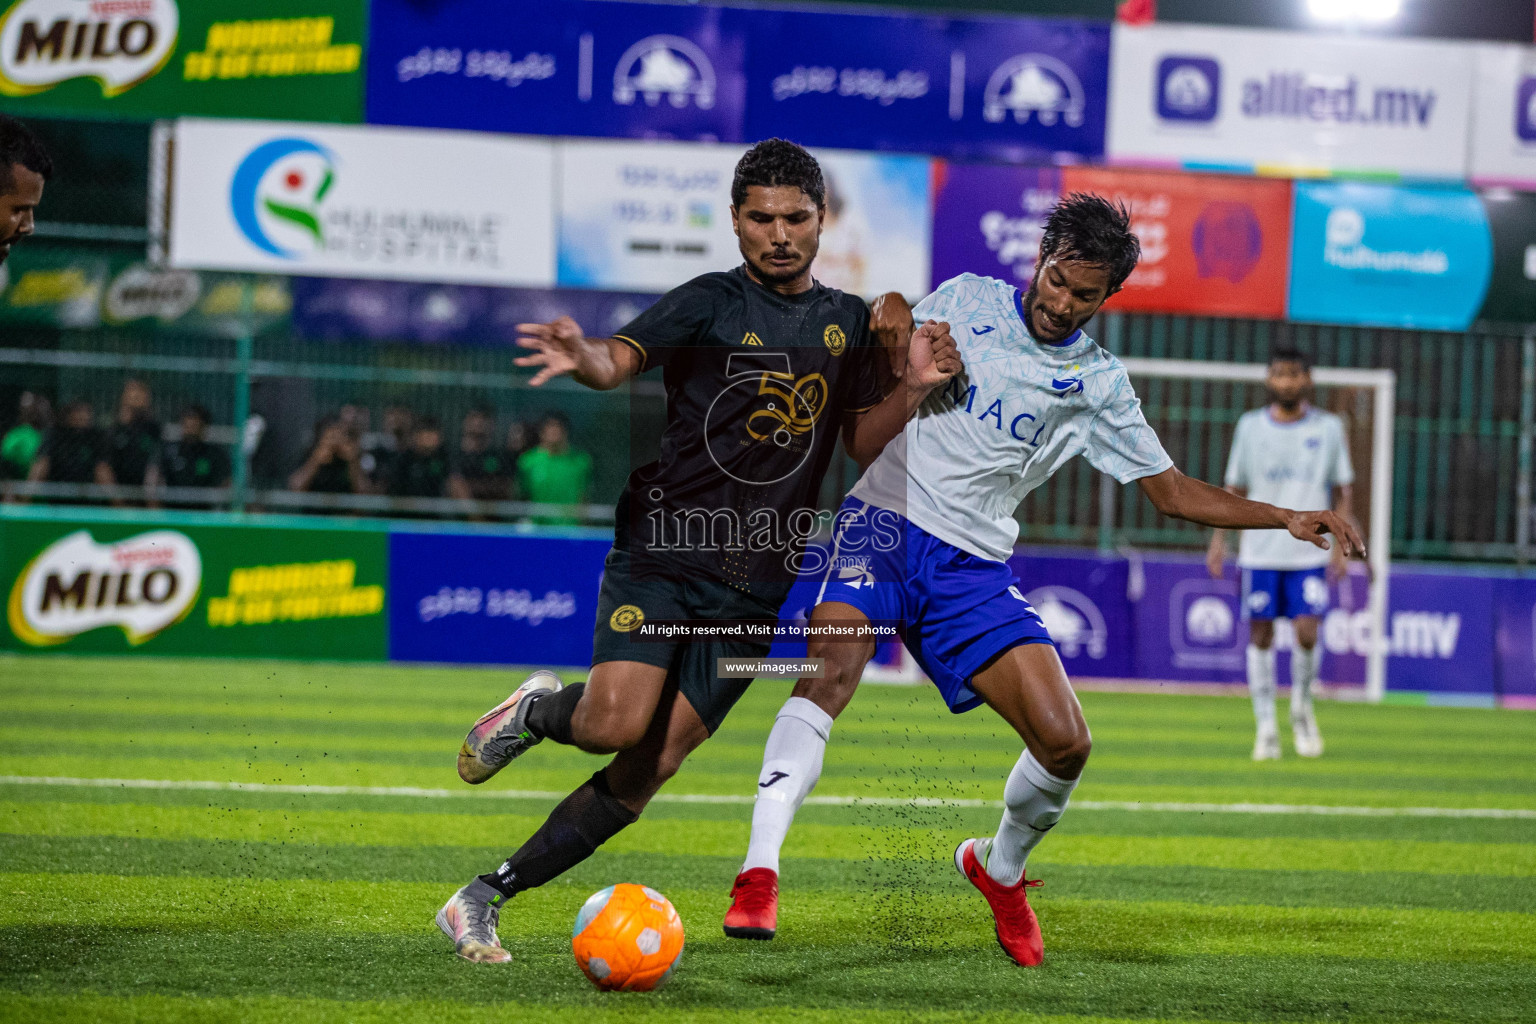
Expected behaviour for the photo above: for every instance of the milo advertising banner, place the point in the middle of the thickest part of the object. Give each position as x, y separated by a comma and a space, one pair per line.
59, 285
113, 586
297, 59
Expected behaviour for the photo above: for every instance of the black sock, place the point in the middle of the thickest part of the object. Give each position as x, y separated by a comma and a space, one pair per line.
581, 823
550, 716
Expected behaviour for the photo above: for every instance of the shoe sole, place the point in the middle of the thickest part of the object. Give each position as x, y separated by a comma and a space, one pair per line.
470, 764
757, 934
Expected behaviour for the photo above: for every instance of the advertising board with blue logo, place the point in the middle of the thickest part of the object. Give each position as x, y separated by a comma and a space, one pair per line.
330, 309
558, 67
647, 216
493, 598
1289, 102
1389, 255
1504, 117
1016, 88
338, 201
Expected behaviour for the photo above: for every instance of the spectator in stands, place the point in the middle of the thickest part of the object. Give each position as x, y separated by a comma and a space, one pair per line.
191, 461
385, 447
480, 471
555, 473
75, 451
20, 445
518, 435
334, 464
134, 440
422, 469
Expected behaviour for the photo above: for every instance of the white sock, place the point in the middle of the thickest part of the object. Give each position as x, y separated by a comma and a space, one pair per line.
1303, 676
791, 766
1261, 685
1033, 801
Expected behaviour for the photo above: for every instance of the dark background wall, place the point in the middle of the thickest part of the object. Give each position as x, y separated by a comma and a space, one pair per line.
1510, 20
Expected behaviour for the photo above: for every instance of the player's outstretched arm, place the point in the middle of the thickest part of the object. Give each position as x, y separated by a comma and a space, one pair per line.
1182, 497
559, 347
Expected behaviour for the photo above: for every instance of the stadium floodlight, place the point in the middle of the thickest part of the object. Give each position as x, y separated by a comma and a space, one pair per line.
1373, 12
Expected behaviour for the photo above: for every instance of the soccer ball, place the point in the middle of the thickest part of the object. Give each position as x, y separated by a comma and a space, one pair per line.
627, 937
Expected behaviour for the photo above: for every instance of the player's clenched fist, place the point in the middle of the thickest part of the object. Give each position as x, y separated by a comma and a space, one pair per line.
932, 357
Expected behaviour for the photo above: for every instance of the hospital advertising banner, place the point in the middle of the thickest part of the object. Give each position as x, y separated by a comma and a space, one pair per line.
1388, 255
1212, 245
558, 67
99, 586
339, 201
296, 59
649, 216
1503, 148
1289, 102
1017, 88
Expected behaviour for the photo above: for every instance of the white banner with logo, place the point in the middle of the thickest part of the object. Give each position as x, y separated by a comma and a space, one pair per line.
647, 216
1504, 116
1289, 101
332, 201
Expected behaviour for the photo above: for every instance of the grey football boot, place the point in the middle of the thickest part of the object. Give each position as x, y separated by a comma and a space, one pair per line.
469, 918
502, 733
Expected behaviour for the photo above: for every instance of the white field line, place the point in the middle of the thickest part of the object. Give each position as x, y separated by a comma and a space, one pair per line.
824, 801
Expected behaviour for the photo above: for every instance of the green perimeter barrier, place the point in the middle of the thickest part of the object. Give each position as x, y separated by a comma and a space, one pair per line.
194, 584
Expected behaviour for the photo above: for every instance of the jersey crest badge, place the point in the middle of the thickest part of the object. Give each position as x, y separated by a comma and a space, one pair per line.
1068, 385
835, 338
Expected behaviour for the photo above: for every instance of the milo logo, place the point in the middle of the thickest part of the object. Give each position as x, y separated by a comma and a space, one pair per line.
120, 43
142, 585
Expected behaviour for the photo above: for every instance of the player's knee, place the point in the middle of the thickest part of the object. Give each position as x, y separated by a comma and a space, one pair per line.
1261, 633
605, 730
1306, 633
1067, 755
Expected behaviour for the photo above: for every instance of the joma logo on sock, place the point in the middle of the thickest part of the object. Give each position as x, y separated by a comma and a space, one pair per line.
775, 777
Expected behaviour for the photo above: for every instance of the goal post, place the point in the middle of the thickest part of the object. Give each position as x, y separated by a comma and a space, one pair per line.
1382, 386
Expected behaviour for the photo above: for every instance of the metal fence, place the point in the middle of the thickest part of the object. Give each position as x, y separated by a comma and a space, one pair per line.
1463, 431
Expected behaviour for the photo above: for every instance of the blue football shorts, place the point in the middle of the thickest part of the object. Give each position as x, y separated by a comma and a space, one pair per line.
1284, 593
956, 612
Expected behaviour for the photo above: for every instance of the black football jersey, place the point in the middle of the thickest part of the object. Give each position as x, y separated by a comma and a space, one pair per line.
757, 387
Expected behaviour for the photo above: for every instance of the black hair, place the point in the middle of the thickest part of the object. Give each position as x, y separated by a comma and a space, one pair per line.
1290, 354
558, 417
427, 423
19, 146
1087, 228
774, 162
199, 411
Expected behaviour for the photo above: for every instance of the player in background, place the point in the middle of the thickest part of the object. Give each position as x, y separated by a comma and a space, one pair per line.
1287, 453
24, 167
762, 366
1035, 392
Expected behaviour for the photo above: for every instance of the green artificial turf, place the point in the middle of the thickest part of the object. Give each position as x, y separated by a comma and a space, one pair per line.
145, 904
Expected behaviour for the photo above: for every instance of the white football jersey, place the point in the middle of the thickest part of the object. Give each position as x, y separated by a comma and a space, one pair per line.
1021, 410
1292, 465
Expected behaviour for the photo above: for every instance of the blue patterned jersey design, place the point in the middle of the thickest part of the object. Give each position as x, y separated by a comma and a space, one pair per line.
1021, 410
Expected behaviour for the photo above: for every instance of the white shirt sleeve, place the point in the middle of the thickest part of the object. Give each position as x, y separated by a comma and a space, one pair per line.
1237, 459
1343, 473
1120, 442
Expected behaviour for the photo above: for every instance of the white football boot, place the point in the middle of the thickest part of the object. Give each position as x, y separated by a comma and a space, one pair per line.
1266, 746
469, 918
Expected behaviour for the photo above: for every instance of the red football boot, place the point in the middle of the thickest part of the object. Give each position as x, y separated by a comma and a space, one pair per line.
1018, 932
754, 912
